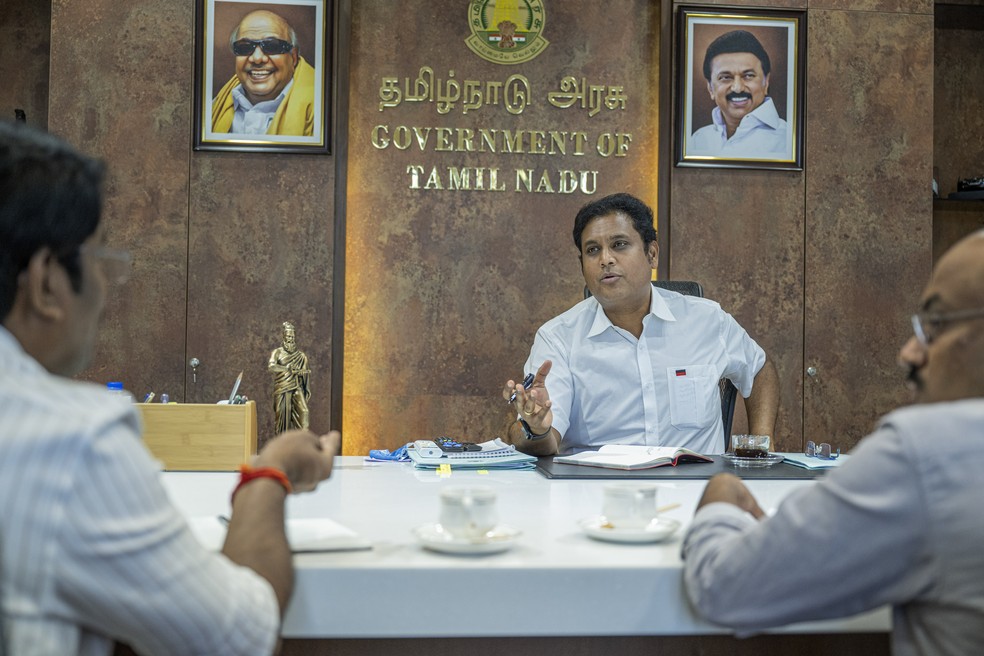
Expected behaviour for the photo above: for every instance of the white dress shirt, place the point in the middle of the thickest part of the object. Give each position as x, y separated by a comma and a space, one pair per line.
761, 134
92, 549
900, 523
659, 390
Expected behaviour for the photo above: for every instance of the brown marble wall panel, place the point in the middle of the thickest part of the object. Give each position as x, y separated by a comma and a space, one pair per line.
117, 98
445, 289
888, 6
25, 38
958, 104
740, 233
260, 253
868, 211
254, 230
751, 4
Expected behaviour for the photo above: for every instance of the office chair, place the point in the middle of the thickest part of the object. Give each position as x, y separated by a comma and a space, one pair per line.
729, 392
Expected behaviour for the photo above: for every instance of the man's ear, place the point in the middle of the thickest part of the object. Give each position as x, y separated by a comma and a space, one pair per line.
44, 284
653, 254
710, 90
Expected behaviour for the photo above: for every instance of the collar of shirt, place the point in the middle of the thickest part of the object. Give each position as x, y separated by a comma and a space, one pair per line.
657, 308
764, 114
241, 102
13, 357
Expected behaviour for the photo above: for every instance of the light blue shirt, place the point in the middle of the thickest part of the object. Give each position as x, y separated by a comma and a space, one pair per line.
761, 134
254, 119
93, 549
662, 389
900, 523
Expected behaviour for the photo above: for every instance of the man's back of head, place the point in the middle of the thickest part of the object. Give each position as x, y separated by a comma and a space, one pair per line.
49, 198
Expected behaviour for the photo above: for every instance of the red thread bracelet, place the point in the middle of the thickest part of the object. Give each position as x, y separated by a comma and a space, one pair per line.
248, 474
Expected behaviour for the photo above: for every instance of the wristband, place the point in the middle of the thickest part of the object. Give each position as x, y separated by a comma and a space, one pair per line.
248, 474
528, 432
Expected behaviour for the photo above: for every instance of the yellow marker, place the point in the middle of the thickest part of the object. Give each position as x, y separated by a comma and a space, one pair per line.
444, 469
482, 472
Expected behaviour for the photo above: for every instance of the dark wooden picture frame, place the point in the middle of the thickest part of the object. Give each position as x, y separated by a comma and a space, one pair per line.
714, 128
301, 122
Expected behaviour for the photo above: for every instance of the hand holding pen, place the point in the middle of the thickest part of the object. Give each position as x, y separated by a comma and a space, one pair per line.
530, 396
527, 383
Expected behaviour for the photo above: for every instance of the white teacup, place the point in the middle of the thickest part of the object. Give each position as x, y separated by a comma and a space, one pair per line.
468, 512
629, 505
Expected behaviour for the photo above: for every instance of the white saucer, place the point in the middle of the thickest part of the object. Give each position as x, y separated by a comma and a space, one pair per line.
767, 461
433, 536
658, 529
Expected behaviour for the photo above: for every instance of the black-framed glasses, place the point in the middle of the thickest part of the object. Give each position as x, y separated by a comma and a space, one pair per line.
927, 327
115, 263
822, 451
271, 46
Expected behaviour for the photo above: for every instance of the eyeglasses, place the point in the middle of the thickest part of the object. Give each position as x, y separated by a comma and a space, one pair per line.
116, 263
927, 327
821, 451
271, 46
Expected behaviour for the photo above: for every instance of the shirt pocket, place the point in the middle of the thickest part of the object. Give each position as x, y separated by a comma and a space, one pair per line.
694, 395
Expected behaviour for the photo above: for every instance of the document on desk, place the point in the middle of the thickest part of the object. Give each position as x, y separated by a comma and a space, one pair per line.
303, 535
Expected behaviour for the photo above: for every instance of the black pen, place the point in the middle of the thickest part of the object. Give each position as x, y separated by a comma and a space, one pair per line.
527, 383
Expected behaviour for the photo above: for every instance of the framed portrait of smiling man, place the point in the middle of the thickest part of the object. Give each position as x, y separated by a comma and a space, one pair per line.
740, 90
263, 76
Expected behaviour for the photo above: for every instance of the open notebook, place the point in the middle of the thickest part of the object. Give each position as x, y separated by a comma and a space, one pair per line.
304, 535
633, 456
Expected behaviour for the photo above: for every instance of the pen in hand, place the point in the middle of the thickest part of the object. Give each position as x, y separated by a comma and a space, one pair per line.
527, 383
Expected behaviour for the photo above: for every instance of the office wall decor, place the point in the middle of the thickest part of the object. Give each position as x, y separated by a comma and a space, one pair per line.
740, 88
263, 76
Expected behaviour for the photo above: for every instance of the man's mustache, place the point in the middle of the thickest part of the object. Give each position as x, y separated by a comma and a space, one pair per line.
738, 96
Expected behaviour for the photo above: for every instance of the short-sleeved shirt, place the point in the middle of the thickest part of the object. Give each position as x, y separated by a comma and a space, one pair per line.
662, 389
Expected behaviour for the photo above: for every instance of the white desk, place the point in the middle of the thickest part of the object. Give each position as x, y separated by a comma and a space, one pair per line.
577, 586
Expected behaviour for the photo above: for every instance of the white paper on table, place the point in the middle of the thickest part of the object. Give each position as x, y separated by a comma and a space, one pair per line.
303, 535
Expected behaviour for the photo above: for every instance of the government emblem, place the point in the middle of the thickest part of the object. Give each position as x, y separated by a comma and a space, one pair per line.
506, 31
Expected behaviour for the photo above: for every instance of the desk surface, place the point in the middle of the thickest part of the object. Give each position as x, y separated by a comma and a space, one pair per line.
554, 581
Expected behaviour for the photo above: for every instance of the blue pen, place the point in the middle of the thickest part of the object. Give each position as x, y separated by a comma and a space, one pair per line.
527, 383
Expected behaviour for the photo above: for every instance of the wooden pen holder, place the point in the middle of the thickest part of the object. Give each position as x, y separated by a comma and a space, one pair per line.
200, 436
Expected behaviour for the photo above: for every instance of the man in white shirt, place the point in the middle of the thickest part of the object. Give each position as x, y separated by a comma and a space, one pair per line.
633, 364
900, 523
91, 548
745, 123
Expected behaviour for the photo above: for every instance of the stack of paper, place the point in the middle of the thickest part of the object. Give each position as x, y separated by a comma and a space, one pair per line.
495, 454
303, 535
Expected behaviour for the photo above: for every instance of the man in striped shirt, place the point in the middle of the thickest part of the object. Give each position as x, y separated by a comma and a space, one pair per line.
92, 550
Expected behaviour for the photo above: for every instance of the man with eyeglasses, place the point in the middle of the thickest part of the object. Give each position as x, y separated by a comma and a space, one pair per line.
900, 523
91, 548
272, 91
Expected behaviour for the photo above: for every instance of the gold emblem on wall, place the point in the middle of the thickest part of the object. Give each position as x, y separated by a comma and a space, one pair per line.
506, 31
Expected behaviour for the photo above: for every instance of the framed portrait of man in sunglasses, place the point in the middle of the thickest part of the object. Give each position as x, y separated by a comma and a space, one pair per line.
263, 76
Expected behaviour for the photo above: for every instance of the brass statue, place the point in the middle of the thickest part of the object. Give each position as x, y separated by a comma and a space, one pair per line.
290, 384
